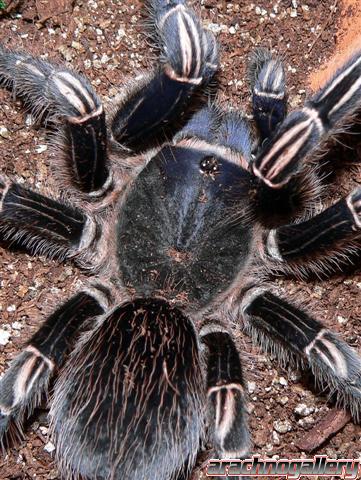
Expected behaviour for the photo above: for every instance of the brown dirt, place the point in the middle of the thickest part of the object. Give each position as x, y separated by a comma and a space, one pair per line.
104, 40
348, 39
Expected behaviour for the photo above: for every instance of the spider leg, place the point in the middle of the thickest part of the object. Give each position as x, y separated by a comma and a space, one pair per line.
267, 79
302, 132
29, 373
287, 331
68, 99
189, 59
226, 394
313, 241
41, 224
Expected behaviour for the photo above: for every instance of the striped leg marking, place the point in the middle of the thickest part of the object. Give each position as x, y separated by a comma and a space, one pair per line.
66, 97
226, 396
189, 51
282, 157
189, 60
268, 83
341, 96
22, 385
42, 225
289, 332
300, 135
27, 378
319, 236
354, 204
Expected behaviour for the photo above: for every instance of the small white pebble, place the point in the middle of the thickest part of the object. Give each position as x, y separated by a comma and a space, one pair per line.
41, 148
303, 410
341, 320
232, 30
44, 430
120, 33
4, 337
4, 132
305, 422
105, 58
282, 426
49, 447
283, 400
283, 381
87, 63
16, 326
11, 308
251, 386
275, 438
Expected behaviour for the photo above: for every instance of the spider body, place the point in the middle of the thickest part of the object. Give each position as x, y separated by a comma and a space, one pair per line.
197, 238
178, 225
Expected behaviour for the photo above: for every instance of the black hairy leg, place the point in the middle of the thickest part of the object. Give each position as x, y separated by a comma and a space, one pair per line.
129, 403
304, 131
41, 224
317, 242
291, 334
226, 394
69, 100
24, 383
268, 85
189, 59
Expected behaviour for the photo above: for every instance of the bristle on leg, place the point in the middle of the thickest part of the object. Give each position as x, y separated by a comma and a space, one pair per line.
226, 395
267, 78
287, 328
303, 132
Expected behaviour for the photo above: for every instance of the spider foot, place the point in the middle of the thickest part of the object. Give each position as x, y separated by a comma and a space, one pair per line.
44, 86
303, 131
292, 334
282, 157
22, 385
188, 61
267, 78
189, 51
57, 92
337, 366
226, 394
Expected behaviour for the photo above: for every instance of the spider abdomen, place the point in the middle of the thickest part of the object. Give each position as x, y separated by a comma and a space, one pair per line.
185, 230
127, 404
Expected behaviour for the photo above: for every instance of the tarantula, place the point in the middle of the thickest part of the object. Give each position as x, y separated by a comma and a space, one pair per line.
179, 218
